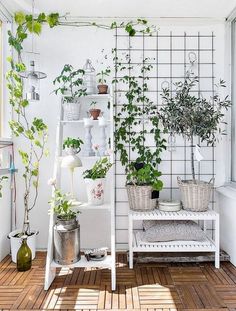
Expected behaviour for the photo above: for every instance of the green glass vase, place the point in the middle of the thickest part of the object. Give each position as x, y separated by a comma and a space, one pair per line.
24, 256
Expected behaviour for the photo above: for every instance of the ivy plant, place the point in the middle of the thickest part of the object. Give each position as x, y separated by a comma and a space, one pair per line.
71, 83
99, 170
2, 178
189, 115
130, 130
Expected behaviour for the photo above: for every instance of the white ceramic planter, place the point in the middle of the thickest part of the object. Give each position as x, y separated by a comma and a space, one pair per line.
72, 111
16, 243
95, 190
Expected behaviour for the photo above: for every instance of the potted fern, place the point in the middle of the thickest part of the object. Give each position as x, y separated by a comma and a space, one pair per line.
189, 115
71, 87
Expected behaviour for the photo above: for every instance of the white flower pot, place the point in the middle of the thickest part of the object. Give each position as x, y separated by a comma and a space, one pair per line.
71, 111
71, 151
16, 243
95, 190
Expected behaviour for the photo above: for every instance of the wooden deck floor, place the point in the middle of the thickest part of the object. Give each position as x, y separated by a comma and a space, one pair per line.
165, 287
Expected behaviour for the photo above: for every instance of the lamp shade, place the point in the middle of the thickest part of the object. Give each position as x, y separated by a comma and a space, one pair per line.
71, 161
32, 85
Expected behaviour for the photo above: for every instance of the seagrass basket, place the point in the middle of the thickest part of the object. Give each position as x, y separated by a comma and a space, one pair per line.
140, 198
195, 195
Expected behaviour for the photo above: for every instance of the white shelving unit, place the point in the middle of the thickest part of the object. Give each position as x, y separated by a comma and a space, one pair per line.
109, 205
208, 245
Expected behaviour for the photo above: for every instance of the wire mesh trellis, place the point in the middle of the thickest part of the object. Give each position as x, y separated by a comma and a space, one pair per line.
171, 56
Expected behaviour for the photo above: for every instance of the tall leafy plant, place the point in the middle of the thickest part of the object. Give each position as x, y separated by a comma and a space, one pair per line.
33, 131
136, 114
189, 115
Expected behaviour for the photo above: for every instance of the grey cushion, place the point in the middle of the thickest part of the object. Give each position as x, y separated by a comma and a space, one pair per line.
172, 230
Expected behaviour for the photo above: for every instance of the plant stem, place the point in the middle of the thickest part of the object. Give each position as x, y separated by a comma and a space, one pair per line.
192, 160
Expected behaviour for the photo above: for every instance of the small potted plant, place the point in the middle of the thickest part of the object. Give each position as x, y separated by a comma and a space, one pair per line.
143, 183
66, 228
71, 87
1, 180
102, 86
192, 116
72, 146
94, 112
95, 181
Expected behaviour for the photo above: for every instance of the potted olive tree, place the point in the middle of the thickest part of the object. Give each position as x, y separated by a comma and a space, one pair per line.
138, 113
66, 229
189, 115
95, 181
71, 87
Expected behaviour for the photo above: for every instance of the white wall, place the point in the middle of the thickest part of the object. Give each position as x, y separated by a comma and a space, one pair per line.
70, 45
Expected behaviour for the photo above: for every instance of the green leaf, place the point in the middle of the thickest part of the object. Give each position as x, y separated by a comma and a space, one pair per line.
19, 18
53, 19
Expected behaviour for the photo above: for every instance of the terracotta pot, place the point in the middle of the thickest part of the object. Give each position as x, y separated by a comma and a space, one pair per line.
95, 113
102, 89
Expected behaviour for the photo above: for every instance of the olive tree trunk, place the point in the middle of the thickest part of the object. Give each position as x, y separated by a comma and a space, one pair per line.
192, 160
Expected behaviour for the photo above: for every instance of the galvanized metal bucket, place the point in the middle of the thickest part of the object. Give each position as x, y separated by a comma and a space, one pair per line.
66, 241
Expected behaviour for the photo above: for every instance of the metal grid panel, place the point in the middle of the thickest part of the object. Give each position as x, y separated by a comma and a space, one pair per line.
170, 56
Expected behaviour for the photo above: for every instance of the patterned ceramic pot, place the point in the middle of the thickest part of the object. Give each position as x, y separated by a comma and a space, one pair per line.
95, 190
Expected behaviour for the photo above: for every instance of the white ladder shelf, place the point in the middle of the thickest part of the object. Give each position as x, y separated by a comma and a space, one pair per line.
110, 261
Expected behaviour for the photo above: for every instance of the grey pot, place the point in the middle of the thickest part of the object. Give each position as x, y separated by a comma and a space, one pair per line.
66, 241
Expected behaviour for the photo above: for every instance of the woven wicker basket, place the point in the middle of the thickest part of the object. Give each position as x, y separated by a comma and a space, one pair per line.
71, 111
140, 198
195, 195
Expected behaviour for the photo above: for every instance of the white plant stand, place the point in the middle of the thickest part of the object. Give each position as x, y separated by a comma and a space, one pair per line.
110, 261
176, 246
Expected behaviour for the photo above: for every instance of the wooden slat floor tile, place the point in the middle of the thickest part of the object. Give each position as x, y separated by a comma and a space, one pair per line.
148, 287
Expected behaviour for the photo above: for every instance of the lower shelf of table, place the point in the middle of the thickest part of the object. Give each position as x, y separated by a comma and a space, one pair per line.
175, 246
84, 263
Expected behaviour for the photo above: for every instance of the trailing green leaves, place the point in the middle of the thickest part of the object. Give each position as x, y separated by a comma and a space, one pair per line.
137, 113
